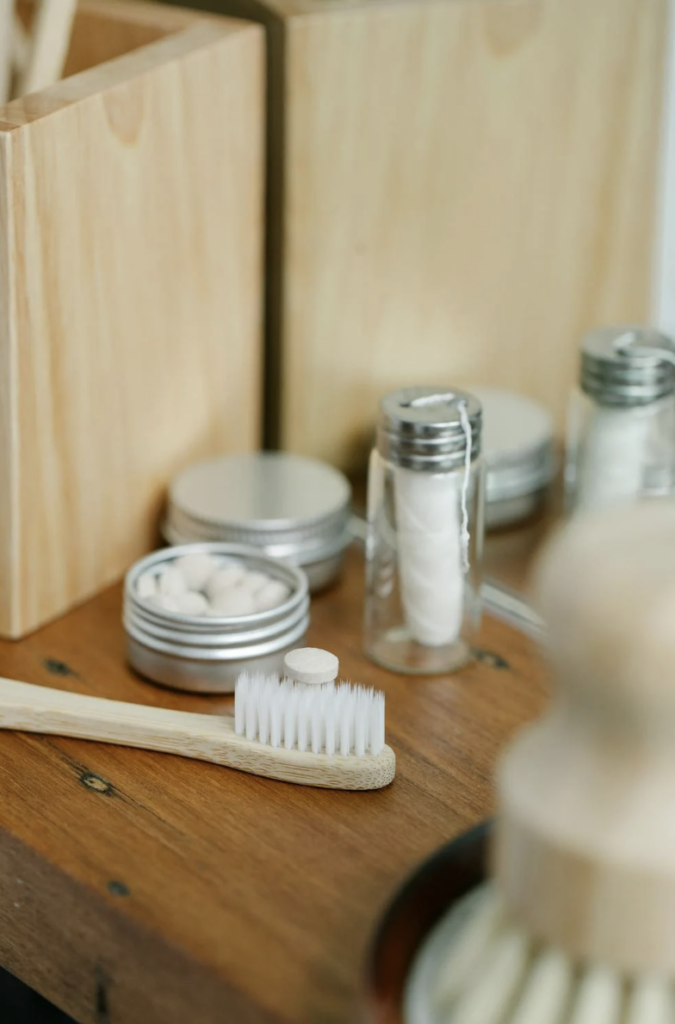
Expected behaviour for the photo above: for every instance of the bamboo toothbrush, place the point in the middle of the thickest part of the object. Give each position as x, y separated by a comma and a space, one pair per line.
577, 925
330, 735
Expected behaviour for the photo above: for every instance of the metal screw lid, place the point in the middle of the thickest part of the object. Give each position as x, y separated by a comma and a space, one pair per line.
290, 505
425, 428
625, 366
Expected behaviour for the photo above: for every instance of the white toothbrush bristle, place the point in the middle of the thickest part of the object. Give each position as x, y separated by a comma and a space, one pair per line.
345, 719
291, 717
317, 731
240, 708
329, 729
276, 718
303, 719
329, 718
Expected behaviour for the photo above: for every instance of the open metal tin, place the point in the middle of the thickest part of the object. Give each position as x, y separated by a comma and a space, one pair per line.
189, 652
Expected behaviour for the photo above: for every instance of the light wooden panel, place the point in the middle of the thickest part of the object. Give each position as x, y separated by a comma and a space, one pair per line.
130, 298
469, 187
461, 189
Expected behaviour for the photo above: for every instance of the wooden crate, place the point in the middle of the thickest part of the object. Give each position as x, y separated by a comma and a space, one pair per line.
459, 189
130, 291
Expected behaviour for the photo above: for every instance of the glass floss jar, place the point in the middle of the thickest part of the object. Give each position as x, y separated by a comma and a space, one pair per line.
621, 427
425, 531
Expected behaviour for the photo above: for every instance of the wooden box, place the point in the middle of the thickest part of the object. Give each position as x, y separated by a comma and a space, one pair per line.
130, 291
459, 189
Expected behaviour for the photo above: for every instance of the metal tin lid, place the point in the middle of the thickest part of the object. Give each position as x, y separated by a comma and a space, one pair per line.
623, 366
429, 428
518, 444
290, 505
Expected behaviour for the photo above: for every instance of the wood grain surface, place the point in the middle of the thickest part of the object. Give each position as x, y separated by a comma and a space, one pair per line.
138, 888
469, 187
130, 295
458, 191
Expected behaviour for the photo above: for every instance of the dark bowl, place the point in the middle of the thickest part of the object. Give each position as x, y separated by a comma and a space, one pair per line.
438, 882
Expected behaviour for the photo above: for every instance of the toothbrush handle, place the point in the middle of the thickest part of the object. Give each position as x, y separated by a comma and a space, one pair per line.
40, 709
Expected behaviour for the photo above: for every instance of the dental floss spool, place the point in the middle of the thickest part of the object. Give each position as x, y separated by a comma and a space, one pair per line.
621, 430
428, 440
430, 556
434, 547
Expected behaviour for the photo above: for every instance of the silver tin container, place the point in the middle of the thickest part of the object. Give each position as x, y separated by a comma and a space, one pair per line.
627, 366
288, 506
519, 454
203, 654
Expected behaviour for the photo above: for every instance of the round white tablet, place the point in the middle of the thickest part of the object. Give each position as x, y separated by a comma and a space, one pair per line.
234, 601
272, 595
311, 665
172, 582
196, 569
228, 576
254, 581
146, 586
191, 603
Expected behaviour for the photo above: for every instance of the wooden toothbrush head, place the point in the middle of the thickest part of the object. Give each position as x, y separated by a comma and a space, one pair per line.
584, 852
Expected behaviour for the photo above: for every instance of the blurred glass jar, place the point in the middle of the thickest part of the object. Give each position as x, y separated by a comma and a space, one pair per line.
425, 531
621, 425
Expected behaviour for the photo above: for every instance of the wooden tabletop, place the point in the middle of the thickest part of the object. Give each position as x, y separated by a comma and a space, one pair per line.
139, 888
